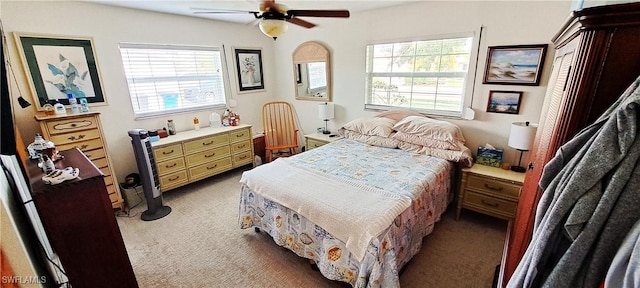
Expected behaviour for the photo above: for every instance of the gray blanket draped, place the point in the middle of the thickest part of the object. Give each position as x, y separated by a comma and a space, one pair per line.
590, 202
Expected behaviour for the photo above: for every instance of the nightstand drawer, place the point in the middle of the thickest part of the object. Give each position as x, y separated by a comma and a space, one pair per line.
493, 186
311, 143
490, 205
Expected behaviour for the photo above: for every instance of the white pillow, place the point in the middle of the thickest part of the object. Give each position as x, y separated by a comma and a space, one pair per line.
398, 114
371, 126
428, 142
430, 128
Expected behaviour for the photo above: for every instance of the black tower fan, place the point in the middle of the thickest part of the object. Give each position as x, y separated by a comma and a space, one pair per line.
148, 175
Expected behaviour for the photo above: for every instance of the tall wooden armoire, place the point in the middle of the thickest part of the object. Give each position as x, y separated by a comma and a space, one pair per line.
597, 57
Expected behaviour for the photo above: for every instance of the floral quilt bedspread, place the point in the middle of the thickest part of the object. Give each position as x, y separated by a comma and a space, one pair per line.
425, 179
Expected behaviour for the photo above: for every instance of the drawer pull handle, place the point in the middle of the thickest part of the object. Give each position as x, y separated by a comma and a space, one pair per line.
210, 155
212, 167
239, 135
492, 187
175, 178
81, 136
207, 144
243, 157
170, 166
490, 204
167, 153
82, 147
242, 146
88, 155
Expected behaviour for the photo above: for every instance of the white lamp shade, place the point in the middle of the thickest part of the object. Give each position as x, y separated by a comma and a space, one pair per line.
325, 111
521, 135
273, 28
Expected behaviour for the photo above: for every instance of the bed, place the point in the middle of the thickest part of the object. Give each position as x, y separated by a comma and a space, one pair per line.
359, 211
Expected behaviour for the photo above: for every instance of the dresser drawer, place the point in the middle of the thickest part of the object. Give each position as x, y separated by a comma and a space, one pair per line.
95, 154
494, 187
242, 158
311, 143
240, 146
173, 180
206, 170
83, 145
70, 125
100, 163
490, 205
170, 166
240, 135
207, 156
167, 152
206, 143
75, 136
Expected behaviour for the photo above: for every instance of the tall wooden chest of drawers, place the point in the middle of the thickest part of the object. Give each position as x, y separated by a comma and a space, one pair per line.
83, 131
192, 155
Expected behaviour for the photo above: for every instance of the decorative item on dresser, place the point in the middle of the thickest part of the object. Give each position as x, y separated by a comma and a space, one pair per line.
197, 154
83, 131
592, 66
81, 226
315, 140
490, 190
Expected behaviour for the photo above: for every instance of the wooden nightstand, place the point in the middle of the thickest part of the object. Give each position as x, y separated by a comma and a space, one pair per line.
315, 140
489, 190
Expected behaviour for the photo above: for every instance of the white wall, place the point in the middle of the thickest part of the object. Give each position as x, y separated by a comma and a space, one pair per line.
111, 25
505, 22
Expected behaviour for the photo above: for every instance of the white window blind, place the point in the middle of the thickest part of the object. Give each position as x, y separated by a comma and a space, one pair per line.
167, 79
429, 76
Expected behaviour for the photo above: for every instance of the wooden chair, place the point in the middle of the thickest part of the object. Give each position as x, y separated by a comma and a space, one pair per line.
280, 133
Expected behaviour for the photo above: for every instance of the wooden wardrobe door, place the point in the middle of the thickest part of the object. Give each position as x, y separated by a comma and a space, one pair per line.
545, 145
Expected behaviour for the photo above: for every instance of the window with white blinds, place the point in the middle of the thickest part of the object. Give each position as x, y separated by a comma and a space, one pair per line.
165, 79
427, 75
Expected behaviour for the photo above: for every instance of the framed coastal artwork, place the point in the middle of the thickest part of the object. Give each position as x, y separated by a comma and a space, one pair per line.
504, 102
249, 68
514, 65
57, 66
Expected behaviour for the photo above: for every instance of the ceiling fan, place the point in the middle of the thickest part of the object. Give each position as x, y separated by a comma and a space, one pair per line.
274, 17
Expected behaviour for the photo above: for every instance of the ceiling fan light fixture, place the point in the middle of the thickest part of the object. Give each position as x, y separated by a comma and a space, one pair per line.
273, 28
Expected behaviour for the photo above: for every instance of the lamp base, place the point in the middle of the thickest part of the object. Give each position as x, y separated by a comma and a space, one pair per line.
326, 132
518, 169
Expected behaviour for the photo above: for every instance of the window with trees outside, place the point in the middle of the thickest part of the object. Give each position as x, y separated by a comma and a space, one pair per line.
428, 76
165, 79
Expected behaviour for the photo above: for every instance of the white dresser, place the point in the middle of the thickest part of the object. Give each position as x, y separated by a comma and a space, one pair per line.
192, 155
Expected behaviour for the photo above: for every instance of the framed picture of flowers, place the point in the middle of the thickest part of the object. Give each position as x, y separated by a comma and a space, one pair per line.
58, 66
249, 68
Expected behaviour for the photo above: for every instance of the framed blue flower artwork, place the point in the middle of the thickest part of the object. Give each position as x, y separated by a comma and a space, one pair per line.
59, 66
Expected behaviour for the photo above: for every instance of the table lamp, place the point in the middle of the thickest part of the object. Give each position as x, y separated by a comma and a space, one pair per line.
325, 112
521, 138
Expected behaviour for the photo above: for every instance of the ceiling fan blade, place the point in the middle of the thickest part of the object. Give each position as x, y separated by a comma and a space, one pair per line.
225, 12
319, 13
301, 22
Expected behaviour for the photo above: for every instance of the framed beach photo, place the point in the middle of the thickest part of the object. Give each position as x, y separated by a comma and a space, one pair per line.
57, 66
249, 69
504, 102
514, 65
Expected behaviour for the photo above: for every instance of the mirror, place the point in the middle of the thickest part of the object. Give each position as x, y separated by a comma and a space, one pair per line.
312, 72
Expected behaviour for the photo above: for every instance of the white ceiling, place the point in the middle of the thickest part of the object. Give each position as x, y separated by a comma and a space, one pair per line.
188, 7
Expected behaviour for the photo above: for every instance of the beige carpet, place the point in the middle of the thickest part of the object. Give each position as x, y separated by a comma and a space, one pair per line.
200, 245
